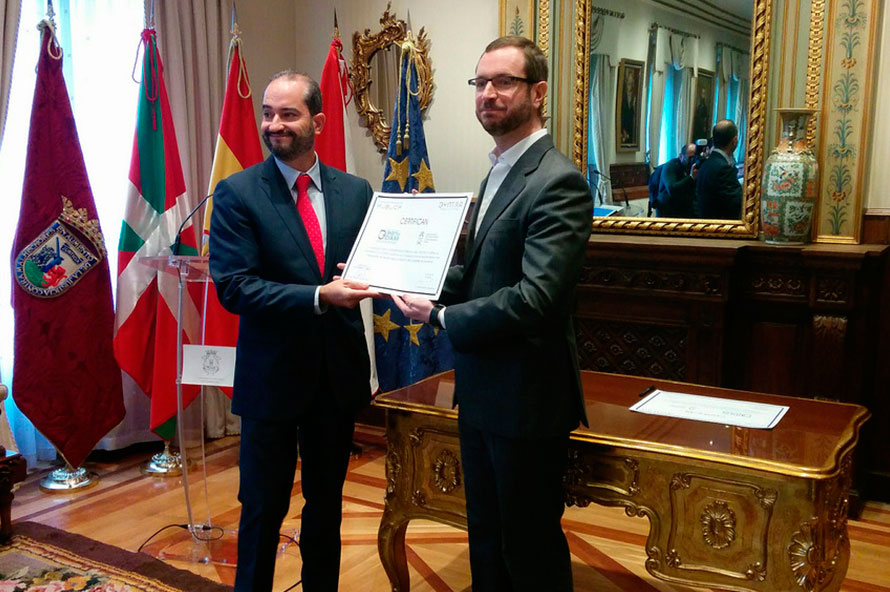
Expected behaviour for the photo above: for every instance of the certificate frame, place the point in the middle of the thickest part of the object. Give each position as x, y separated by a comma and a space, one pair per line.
407, 241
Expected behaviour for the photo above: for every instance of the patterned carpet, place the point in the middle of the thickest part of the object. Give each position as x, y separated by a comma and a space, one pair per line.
43, 559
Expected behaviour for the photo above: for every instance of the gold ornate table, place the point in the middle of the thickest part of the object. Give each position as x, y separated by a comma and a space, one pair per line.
728, 507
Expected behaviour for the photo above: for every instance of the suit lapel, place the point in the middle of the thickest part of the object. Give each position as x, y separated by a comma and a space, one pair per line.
332, 206
282, 201
511, 187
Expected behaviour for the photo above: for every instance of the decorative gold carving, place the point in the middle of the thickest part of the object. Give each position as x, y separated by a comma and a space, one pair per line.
718, 524
393, 469
748, 225
805, 555
600, 479
767, 498
418, 498
446, 472
672, 559
393, 32
543, 40
416, 436
815, 58
756, 572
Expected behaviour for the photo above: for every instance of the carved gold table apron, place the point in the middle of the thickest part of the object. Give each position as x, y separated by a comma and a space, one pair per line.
728, 507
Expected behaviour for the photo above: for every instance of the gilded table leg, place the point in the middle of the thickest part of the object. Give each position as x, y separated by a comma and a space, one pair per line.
391, 546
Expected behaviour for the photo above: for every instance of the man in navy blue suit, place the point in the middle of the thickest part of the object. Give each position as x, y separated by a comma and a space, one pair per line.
278, 230
718, 193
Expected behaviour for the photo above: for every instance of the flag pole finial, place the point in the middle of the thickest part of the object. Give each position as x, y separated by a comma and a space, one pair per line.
336, 26
409, 24
235, 30
150, 16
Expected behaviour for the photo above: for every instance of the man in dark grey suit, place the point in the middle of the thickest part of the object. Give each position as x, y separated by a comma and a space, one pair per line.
278, 230
508, 314
718, 193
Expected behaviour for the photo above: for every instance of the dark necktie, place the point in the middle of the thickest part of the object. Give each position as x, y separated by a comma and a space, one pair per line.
310, 220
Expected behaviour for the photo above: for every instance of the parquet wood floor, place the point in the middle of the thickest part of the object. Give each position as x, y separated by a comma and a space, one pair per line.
126, 507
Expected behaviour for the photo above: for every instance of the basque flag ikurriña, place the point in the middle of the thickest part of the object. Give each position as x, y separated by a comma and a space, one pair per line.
157, 203
65, 379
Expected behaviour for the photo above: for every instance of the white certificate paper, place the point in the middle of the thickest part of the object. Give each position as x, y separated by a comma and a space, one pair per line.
213, 365
746, 414
406, 242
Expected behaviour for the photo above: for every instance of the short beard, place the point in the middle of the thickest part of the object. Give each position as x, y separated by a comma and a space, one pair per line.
512, 120
300, 144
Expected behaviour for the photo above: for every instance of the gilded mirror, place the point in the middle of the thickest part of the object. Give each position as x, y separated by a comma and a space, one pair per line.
715, 53
375, 76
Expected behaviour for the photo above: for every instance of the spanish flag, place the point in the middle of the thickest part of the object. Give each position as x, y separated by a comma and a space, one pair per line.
237, 147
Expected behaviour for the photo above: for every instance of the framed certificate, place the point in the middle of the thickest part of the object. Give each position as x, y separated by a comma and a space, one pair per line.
407, 241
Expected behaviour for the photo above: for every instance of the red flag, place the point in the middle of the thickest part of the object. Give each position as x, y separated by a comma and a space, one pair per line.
336, 93
237, 147
65, 379
333, 148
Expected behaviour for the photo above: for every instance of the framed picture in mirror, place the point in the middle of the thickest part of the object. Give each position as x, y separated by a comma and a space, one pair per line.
629, 100
701, 120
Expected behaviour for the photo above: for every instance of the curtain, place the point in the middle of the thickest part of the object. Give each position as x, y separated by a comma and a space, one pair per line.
599, 123
735, 83
678, 88
9, 26
657, 47
193, 38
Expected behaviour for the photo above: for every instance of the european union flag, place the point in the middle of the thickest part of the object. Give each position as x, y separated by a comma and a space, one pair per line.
407, 351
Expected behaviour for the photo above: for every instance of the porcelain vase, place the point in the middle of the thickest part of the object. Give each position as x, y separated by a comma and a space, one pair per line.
790, 183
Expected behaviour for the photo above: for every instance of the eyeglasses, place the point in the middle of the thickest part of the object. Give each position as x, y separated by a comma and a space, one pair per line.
502, 82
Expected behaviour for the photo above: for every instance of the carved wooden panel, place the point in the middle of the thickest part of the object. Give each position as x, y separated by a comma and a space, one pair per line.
631, 348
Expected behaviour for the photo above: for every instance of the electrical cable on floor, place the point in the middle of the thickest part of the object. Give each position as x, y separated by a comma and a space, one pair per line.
202, 528
159, 531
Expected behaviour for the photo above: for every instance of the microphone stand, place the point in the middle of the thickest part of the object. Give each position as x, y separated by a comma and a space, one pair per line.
176, 243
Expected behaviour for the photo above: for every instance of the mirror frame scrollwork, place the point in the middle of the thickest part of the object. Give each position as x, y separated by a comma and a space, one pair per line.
747, 226
365, 45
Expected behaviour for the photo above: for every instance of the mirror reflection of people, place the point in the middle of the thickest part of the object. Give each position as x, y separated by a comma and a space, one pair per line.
676, 190
718, 193
629, 108
509, 318
279, 228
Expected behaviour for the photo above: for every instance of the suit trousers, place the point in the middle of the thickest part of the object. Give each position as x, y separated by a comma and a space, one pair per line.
515, 501
322, 438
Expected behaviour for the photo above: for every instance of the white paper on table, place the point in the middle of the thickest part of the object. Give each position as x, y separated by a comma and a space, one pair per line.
407, 241
212, 365
746, 414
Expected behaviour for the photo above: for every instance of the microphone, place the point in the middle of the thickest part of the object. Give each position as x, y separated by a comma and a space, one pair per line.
599, 193
175, 247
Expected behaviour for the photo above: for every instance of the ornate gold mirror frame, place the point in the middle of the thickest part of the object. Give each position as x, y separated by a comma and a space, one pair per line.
364, 46
747, 226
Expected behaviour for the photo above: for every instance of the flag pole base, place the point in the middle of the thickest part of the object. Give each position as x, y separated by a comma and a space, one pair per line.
68, 479
164, 464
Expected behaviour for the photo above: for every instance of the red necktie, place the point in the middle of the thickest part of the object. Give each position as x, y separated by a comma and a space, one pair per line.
310, 220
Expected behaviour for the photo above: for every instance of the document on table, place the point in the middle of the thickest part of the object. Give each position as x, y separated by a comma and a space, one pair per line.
406, 242
746, 414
